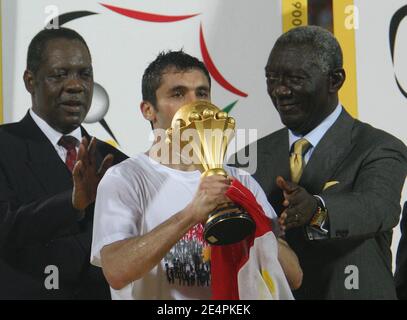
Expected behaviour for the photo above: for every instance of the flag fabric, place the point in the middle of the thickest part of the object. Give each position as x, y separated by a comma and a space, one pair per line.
250, 268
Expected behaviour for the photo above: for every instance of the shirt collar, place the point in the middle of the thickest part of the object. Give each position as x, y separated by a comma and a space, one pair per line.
50, 132
317, 133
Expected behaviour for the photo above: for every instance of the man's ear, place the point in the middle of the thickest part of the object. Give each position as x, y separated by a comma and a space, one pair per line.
336, 79
29, 81
148, 111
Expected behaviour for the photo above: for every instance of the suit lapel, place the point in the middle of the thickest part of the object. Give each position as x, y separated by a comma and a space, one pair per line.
53, 174
329, 154
273, 162
43, 160
279, 153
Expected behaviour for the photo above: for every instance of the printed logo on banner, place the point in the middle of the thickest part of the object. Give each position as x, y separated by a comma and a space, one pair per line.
398, 16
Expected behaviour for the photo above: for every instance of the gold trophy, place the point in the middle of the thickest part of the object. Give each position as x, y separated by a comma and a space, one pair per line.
201, 131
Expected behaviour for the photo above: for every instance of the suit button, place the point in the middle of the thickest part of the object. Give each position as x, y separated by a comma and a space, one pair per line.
49, 243
342, 233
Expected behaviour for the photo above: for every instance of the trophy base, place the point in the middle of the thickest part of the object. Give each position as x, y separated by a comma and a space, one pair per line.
228, 224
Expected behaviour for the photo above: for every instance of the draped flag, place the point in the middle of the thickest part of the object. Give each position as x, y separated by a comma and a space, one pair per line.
249, 269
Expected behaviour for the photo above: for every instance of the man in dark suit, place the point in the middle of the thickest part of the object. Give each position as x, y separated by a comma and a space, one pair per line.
48, 178
335, 181
401, 261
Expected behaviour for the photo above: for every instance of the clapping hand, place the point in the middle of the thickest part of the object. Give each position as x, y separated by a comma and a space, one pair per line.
300, 205
86, 176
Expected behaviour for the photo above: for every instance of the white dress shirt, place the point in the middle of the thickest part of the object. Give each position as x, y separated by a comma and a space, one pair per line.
313, 137
54, 136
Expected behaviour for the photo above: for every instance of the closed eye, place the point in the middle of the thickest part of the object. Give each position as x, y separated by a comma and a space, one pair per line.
296, 78
88, 72
57, 74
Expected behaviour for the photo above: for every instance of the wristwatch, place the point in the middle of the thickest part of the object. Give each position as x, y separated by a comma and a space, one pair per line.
319, 218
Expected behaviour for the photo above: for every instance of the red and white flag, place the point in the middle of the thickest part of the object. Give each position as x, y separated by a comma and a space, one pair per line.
249, 269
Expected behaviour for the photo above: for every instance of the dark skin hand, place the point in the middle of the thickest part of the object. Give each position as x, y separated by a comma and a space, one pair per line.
300, 205
86, 176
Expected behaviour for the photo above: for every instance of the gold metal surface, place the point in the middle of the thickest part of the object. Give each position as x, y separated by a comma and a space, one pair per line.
203, 129
212, 131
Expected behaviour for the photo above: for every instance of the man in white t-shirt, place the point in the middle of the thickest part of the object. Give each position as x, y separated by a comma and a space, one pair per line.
147, 233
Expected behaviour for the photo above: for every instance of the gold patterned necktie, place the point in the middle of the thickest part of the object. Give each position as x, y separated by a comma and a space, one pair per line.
297, 162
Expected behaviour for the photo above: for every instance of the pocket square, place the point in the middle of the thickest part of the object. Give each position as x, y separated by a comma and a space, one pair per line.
329, 184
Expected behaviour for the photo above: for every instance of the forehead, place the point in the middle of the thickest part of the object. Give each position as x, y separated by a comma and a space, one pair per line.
172, 77
61, 52
292, 58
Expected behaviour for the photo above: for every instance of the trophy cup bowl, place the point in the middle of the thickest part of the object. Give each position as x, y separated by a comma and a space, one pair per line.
212, 130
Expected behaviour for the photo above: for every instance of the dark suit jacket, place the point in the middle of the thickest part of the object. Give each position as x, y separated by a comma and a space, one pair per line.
401, 262
38, 224
370, 166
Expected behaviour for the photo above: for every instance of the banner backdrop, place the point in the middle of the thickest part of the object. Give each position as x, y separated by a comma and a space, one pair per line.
233, 37
124, 36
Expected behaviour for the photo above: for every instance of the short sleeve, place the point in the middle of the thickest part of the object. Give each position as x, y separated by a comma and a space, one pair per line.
117, 213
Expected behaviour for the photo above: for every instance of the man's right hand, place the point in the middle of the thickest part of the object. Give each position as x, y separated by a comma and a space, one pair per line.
300, 205
211, 193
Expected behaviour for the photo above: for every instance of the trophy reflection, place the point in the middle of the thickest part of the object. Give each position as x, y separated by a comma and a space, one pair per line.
201, 132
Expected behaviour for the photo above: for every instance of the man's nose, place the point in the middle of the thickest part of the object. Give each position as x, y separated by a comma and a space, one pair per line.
74, 84
191, 97
281, 91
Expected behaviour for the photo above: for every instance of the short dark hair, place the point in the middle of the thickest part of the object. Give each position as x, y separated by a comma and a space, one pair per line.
325, 47
39, 42
179, 60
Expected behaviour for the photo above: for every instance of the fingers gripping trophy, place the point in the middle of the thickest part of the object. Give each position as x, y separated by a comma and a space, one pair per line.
202, 132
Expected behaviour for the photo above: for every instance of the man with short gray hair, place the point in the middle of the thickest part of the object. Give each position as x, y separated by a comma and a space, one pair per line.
334, 180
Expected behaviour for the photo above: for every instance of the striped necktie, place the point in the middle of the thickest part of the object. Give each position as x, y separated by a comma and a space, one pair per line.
69, 143
297, 162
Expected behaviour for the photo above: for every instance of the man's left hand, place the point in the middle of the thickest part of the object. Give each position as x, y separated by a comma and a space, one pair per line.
86, 176
300, 205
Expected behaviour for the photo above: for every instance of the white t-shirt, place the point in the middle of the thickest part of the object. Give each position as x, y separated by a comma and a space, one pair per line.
137, 195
